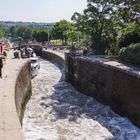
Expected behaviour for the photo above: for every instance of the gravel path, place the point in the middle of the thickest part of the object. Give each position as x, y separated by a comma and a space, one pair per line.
56, 111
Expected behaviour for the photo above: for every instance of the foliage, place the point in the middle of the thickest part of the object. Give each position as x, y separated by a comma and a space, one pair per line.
86, 42
40, 35
12, 31
104, 21
24, 33
131, 34
2, 32
59, 30
131, 54
113, 52
97, 22
127, 11
73, 35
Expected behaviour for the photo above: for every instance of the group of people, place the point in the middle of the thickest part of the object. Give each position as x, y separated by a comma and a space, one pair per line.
25, 52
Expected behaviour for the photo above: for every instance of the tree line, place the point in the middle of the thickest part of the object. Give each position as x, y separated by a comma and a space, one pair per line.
63, 31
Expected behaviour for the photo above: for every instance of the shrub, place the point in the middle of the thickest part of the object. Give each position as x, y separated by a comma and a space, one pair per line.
113, 52
131, 54
130, 35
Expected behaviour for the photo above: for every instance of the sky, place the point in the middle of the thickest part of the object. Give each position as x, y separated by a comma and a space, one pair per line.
39, 10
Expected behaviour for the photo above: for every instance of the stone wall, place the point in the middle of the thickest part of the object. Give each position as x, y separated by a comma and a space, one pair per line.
23, 89
53, 56
111, 85
108, 84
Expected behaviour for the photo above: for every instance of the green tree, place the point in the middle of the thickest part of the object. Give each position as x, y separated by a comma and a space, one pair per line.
73, 35
97, 21
131, 34
40, 35
2, 32
24, 32
59, 30
127, 11
12, 31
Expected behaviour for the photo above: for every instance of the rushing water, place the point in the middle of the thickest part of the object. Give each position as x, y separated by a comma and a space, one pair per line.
56, 111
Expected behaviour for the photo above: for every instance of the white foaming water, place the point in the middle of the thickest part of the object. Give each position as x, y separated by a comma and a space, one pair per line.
56, 111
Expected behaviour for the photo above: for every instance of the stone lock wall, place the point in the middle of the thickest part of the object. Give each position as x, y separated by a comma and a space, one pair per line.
109, 85
23, 89
54, 57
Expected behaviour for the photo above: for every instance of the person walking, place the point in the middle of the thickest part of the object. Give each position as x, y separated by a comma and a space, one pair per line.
5, 54
1, 65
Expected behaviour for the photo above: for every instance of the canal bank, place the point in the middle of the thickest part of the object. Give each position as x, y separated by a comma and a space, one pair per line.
15, 87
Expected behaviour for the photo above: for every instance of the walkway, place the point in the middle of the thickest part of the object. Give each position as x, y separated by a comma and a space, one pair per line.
10, 128
56, 111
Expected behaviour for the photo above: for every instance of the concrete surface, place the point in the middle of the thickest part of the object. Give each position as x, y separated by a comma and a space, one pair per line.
10, 128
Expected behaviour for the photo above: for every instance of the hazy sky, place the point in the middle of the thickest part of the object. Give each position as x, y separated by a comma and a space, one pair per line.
39, 10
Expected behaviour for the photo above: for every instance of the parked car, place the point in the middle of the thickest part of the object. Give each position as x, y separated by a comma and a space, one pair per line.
35, 66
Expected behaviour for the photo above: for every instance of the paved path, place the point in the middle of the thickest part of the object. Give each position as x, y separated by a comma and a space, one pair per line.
56, 111
10, 128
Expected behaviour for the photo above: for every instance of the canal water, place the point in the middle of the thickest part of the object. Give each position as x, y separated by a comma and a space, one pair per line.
56, 111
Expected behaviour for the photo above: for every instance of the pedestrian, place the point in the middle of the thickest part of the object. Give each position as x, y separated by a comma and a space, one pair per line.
1, 65
5, 54
21, 52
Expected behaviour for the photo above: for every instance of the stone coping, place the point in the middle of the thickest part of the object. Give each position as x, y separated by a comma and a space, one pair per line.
130, 69
10, 127
59, 53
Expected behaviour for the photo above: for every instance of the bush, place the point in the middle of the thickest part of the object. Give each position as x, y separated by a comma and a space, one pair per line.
131, 54
130, 35
113, 52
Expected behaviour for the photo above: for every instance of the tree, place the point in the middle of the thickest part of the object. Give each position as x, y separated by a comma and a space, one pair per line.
59, 30
24, 32
73, 35
131, 34
2, 32
12, 31
97, 21
40, 35
127, 11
